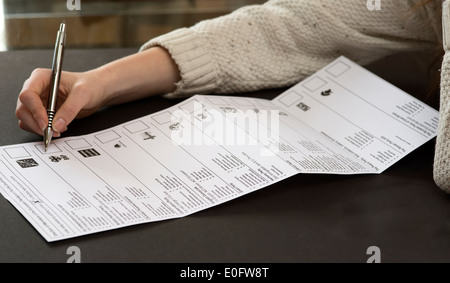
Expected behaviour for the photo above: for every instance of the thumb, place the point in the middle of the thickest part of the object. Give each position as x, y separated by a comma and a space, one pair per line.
68, 111
63, 117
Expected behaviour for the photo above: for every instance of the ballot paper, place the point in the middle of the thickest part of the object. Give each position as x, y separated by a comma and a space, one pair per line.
211, 149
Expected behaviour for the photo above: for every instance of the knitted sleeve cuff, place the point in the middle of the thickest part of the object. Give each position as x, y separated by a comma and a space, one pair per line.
197, 68
441, 167
446, 25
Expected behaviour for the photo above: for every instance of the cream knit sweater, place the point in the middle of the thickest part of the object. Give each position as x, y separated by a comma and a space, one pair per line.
279, 43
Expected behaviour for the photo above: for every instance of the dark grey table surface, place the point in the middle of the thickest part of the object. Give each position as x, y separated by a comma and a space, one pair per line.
306, 218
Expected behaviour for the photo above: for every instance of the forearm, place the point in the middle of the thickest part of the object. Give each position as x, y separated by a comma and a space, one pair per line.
143, 74
281, 42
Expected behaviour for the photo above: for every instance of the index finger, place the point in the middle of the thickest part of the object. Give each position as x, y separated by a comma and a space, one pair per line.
34, 92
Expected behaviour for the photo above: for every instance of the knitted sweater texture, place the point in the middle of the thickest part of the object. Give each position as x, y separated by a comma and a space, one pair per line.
280, 42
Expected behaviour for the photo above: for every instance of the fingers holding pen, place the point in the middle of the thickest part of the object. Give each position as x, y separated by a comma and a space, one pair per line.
30, 109
79, 95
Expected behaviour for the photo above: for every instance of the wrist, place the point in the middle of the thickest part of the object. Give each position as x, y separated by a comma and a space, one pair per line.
146, 73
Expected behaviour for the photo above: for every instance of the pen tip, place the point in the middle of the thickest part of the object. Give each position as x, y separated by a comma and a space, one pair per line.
47, 138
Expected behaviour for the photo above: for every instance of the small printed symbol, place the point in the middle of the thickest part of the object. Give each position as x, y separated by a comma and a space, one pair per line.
148, 136
55, 159
117, 145
326, 92
175, 127
58, 158
228, 109
27, 163
202, 116
303, 106
89, 152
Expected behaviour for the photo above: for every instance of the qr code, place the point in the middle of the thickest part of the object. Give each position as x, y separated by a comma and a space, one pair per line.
303, 106
27, 163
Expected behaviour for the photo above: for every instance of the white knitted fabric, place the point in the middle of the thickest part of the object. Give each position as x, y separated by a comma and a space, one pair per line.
281, 42
441, 169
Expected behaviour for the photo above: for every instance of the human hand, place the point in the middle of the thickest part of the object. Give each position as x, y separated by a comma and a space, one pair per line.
79, 95
143, 74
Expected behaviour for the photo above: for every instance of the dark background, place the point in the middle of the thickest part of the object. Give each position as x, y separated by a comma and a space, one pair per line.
306, 218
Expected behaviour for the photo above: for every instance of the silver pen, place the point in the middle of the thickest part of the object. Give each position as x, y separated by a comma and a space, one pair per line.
54, 83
